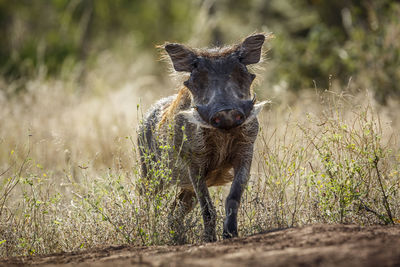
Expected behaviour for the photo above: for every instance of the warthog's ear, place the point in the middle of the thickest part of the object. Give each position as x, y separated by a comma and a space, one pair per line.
250, 49
182, 57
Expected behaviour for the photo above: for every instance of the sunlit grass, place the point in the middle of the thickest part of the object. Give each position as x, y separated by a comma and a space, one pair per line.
69, 173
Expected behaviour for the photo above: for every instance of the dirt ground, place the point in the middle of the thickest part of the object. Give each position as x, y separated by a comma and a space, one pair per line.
314, 245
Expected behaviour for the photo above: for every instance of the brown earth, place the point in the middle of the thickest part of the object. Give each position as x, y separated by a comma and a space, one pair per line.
314, 245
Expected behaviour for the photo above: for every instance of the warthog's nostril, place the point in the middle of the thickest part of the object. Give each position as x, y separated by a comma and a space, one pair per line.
227, 119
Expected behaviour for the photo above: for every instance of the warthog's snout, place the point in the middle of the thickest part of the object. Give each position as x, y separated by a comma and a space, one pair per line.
227, 119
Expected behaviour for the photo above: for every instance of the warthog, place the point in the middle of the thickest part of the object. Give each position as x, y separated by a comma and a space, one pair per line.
209, 126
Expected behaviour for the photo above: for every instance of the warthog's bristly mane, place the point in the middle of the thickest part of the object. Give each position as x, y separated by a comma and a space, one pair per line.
182, 96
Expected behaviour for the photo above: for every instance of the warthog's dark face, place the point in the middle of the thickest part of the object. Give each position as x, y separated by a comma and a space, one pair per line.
220, 82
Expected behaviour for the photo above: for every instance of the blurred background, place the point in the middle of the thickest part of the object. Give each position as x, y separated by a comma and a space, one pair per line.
76, 77
316, 41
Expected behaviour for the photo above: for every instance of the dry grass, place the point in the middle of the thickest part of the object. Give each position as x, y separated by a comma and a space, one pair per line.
69, 172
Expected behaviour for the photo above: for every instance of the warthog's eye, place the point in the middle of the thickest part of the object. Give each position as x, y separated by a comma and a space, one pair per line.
195, 64
241, 94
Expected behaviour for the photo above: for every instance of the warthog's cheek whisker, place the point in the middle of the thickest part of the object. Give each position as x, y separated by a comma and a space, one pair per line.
193, 117
256, 110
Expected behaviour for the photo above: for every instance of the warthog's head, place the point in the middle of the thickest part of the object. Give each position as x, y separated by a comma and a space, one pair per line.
219, 81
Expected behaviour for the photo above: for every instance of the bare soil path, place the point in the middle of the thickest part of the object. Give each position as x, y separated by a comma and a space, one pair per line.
314, 245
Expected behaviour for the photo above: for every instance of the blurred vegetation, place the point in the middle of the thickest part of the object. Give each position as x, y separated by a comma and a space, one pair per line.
52, 32
316, 40
73, 72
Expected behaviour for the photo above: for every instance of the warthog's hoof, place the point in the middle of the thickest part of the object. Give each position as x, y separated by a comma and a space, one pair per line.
210, 238
230, 228
227, 235
178, 239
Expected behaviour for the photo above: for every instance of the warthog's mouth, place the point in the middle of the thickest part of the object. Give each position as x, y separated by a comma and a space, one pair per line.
194, 116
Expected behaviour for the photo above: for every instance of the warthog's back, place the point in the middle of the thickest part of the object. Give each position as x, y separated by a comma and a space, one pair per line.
157, 135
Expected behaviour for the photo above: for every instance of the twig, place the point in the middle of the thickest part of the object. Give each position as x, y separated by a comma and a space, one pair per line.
380, 216
9, 168
15, 180
385, 201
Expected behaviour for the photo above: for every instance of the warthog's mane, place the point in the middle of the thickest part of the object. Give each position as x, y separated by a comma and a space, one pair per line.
174, 107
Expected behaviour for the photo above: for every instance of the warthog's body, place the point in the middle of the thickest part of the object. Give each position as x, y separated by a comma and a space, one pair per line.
209, 129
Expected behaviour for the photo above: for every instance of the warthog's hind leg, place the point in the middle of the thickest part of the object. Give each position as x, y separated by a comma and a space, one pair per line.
207, 207
182, 205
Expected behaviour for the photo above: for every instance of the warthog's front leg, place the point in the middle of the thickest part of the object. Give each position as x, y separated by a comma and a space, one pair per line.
241, 167
207, 207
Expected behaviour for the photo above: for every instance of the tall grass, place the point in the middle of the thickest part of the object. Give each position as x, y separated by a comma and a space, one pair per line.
69, 172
